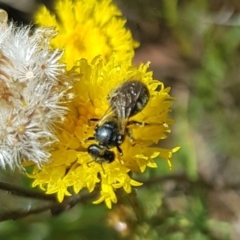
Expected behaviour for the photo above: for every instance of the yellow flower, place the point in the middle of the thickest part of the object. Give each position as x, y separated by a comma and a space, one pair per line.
88, 28
72, 168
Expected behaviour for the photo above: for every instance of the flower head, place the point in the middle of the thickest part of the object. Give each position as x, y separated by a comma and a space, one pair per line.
33, 85
88, 28
72, 167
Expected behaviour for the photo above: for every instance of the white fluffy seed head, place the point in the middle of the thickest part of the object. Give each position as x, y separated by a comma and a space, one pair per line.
33, 85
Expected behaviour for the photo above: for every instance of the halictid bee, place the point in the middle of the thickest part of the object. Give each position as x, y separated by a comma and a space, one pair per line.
125, 101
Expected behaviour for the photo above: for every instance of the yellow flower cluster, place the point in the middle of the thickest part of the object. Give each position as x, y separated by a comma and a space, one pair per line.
88, 28
71, 164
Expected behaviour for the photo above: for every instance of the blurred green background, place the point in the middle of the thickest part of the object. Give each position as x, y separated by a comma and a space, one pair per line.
193, 47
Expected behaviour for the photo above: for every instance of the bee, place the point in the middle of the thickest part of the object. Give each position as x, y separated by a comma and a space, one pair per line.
125, 101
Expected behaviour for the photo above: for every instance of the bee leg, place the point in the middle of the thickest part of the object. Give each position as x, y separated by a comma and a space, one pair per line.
92, 120
88, 139
119, 150
90, 162
129, 133
141, 124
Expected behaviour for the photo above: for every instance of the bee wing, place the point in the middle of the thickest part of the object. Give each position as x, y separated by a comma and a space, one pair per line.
123, 101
